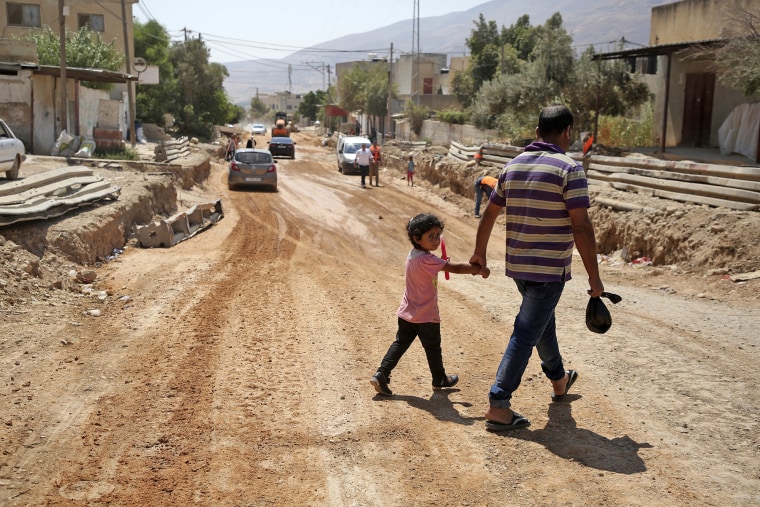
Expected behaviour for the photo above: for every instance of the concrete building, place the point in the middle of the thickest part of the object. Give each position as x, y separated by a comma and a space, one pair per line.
101, 16
424, 78
30, 97
282, 101
691, 104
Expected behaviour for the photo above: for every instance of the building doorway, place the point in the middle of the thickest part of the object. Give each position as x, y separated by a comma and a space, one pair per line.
697, 109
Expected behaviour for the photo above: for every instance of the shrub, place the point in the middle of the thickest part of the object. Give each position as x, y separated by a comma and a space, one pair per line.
453, 117
127, 154
627, 132
417, 113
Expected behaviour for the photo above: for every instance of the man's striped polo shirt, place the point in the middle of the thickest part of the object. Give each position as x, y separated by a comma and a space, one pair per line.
538, 187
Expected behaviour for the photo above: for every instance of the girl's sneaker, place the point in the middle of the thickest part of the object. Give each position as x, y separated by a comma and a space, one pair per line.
381, 384
449, 381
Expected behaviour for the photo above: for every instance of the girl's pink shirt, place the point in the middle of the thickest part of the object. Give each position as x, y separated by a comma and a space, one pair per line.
420, 302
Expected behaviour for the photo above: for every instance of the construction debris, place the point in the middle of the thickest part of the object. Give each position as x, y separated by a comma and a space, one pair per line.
167, 233
52, 194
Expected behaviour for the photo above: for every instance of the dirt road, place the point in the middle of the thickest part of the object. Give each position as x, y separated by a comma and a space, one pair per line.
233, 369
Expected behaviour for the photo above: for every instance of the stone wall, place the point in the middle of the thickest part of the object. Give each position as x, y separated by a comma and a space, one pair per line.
441, 133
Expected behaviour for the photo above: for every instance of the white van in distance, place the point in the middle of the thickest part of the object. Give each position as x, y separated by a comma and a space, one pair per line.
346, 150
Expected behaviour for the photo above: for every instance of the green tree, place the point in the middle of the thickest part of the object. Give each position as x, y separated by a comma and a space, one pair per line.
258, 108
493, 52
737, 62
201, 100
365, 88
510, 101
463, 87
604, 86
152, 43
521, 36
485, 44
417, 114
554, 53
351, 87
309, 106
84, 49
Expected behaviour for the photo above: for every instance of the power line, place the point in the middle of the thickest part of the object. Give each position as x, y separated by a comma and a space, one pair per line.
144, 7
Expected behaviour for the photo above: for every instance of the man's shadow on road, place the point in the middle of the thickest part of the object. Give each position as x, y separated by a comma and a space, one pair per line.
563, 437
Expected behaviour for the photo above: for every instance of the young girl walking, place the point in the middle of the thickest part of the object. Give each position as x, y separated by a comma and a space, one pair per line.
418, 314
410, 171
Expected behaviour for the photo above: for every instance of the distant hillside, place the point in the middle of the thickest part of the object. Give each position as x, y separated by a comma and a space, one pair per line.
597, 22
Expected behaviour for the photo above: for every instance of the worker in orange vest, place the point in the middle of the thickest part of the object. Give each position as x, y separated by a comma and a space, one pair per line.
483, 185
374, 166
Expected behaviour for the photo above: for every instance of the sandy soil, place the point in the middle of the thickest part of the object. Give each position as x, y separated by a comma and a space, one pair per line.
233, 368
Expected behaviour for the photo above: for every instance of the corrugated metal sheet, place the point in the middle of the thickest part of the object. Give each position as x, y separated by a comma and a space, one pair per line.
52, 194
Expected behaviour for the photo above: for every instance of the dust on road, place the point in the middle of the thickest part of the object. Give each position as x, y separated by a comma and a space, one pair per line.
233, 369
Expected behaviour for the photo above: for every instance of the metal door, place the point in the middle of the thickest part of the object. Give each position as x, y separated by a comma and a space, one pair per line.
697, 109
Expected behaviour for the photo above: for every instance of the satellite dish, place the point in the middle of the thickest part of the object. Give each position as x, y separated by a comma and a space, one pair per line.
139, 64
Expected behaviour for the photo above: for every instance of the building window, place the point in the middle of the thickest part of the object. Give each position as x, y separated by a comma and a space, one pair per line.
96, 22
23, 15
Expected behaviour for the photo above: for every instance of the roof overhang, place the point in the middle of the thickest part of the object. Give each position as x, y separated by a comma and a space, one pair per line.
94, 75
660, 49
334, 110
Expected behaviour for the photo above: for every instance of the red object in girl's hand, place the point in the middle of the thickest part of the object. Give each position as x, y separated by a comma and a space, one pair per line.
444, 256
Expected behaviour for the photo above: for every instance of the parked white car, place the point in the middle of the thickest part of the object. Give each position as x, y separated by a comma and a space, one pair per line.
346, 150
12, 152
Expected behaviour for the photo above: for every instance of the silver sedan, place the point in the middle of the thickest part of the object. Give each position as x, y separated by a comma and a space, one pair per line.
250, 167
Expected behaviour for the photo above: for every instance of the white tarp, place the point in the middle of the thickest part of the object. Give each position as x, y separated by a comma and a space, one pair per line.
739, 133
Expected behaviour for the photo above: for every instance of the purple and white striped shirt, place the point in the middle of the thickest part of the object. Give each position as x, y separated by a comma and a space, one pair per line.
538, 187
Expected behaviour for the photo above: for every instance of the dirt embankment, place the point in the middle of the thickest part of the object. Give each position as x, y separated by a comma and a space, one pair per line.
681, 238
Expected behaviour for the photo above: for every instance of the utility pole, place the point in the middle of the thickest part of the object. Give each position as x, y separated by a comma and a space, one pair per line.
328, 76
62, 12
130, 84
416, 52
319, 69
389, 104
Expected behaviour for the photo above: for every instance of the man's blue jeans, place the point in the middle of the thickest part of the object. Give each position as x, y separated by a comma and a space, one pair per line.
534, 327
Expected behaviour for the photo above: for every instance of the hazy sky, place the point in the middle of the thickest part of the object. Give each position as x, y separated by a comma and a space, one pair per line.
276, 28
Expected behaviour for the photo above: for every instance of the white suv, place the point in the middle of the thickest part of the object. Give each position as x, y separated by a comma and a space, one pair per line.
346, 150
12, 152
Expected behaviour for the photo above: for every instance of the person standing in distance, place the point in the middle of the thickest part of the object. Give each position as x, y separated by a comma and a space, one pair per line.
546, 196
362, 160
374, 166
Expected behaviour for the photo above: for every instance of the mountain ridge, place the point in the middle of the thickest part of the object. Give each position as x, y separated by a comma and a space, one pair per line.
602, 23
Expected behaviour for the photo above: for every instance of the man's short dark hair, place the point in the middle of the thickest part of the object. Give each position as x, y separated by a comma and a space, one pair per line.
554, 120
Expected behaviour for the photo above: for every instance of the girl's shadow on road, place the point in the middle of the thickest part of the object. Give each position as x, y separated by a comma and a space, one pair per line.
439, 405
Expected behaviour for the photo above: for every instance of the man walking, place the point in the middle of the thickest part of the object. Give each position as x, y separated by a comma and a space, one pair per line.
546, 196
362, 160
374, 166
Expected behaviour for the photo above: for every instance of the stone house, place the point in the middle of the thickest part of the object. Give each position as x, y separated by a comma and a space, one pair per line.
691, 104
31, 95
